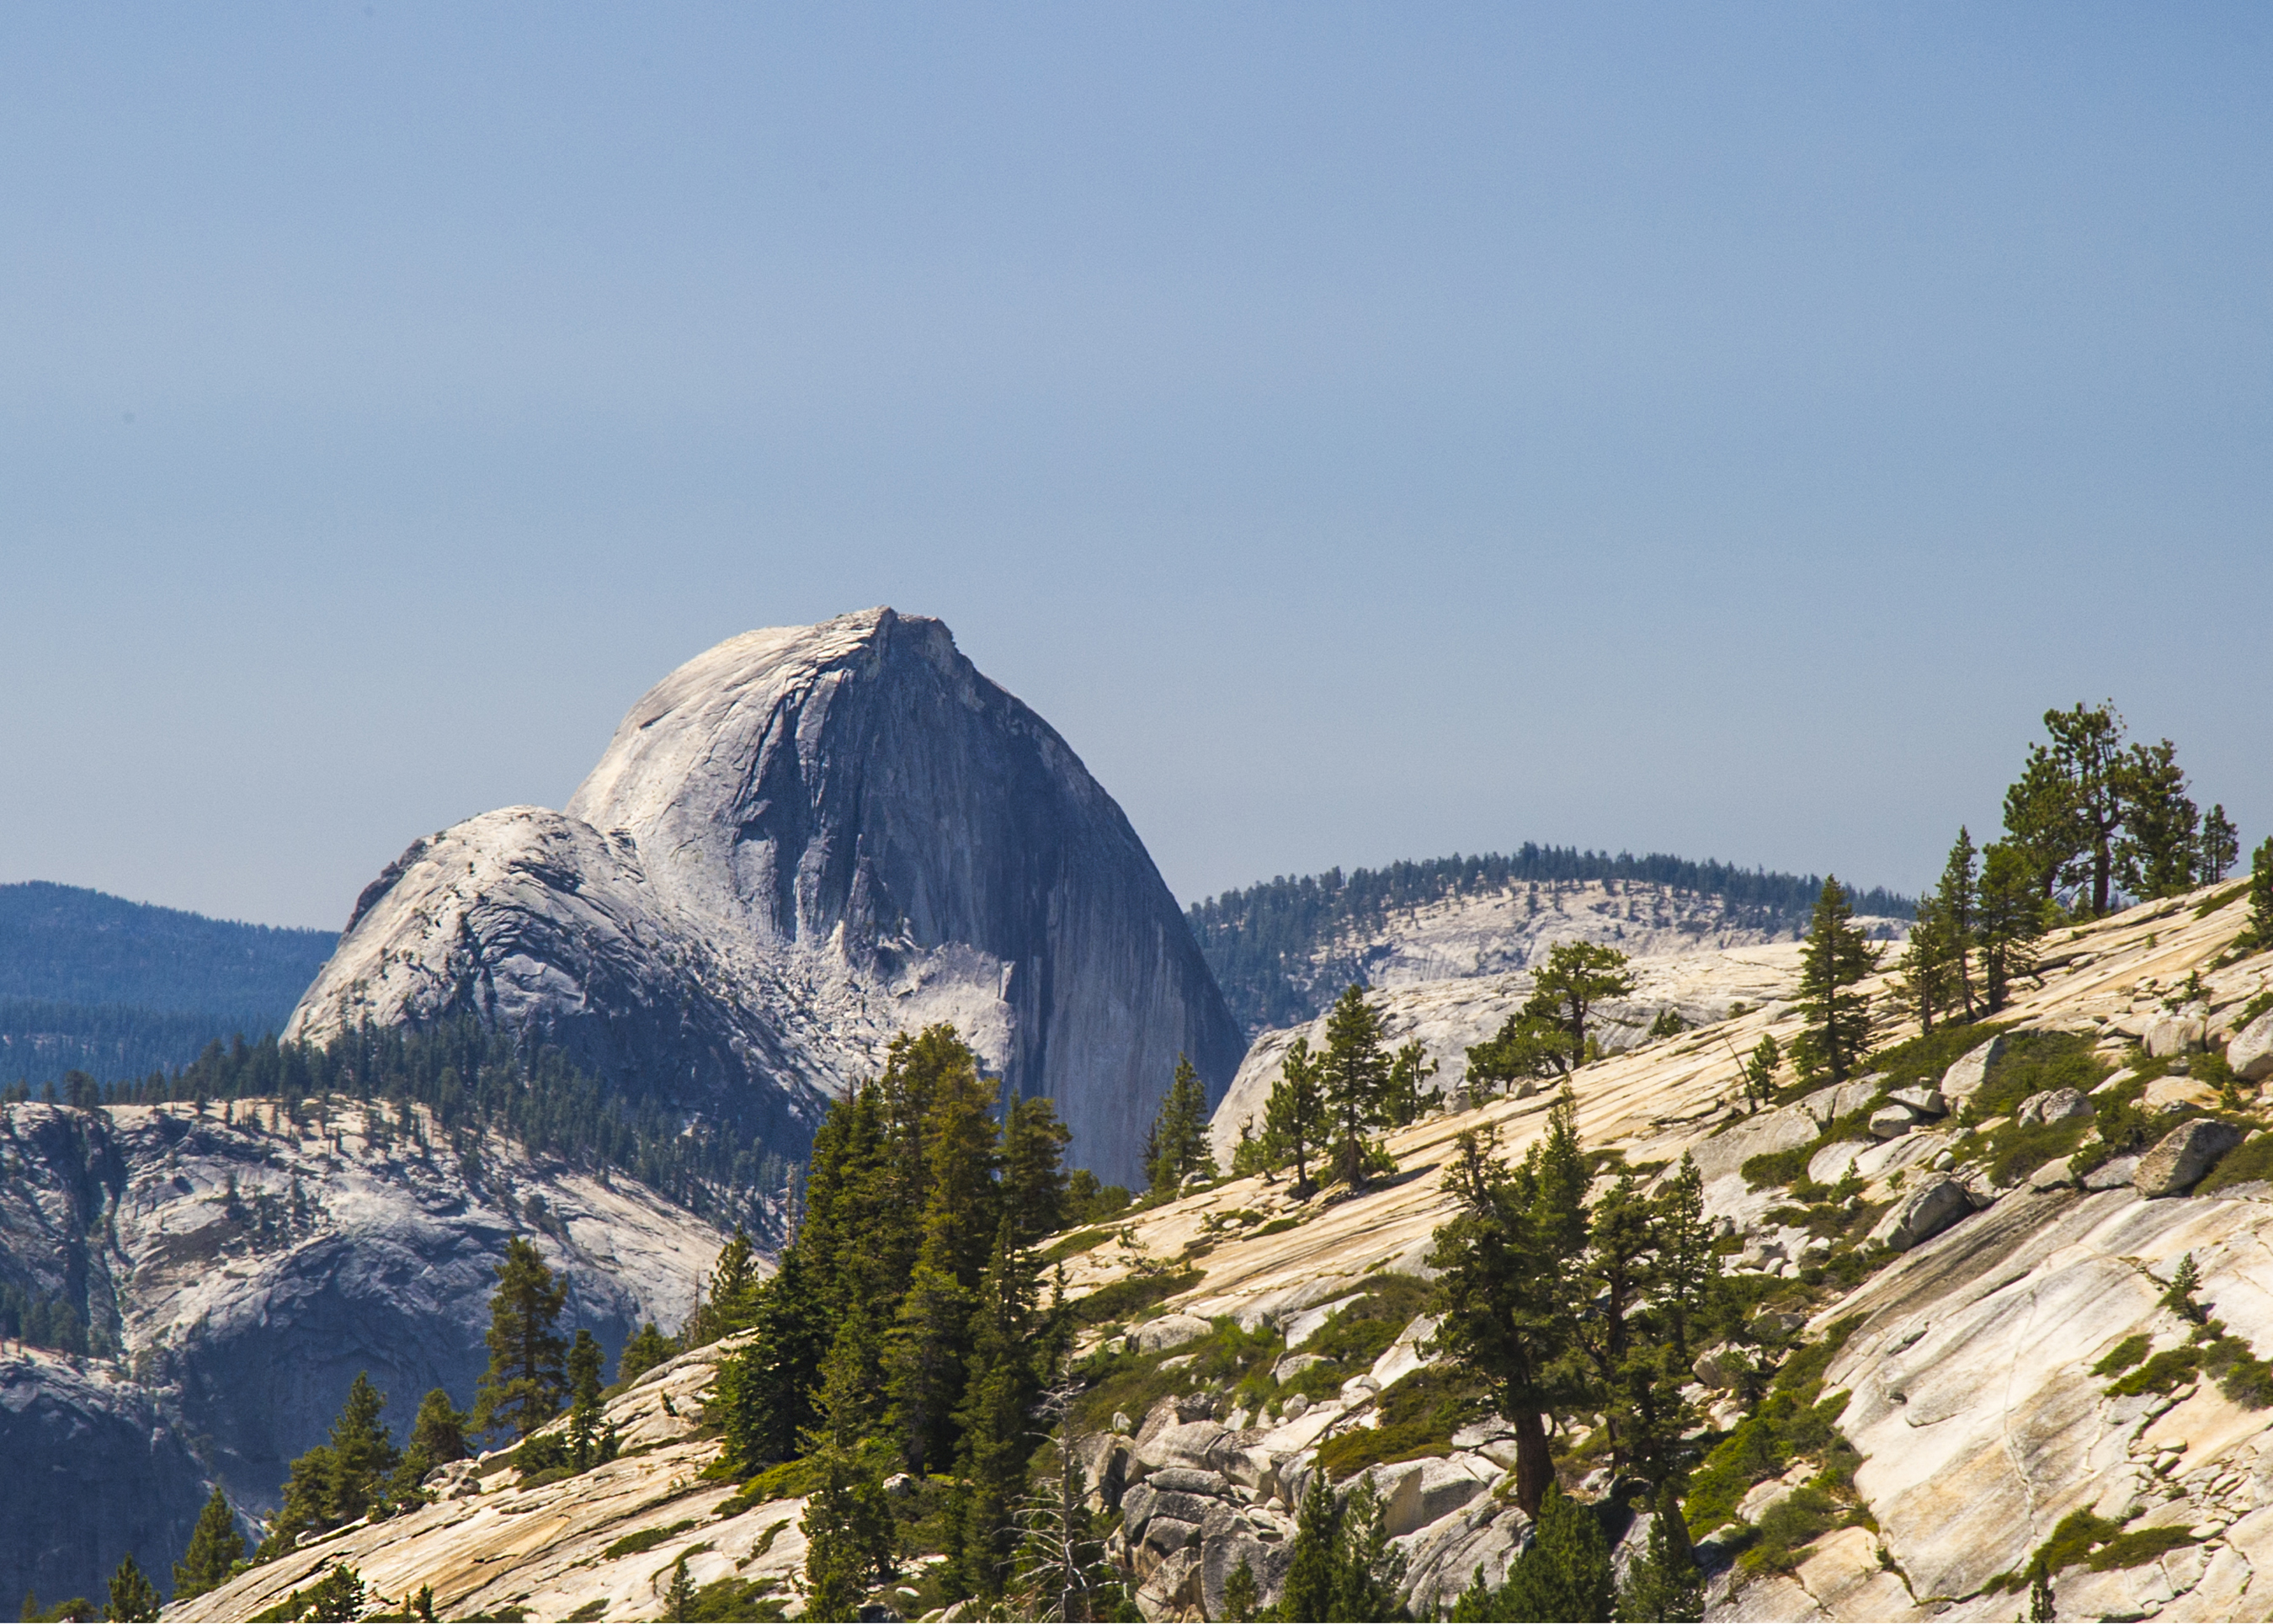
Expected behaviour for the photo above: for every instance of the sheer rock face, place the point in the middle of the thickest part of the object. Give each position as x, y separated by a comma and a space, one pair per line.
238, 1273
797, 844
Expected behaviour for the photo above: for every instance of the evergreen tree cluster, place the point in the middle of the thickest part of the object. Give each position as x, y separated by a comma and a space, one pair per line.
2096, 816
1262, 942
1548, 1036
903, 1330
42, 1319
1326, 1106
1177, 1147
472, 1081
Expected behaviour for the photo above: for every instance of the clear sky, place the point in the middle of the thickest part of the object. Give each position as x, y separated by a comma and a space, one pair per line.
1364, 433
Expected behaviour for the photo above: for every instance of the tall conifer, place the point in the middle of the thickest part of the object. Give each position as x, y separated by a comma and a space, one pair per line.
216, 1548
523, 1388
1836, 957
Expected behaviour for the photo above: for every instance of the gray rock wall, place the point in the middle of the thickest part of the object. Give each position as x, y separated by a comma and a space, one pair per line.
797, 845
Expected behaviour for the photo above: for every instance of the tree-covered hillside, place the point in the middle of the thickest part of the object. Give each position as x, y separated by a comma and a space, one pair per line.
95, 983
1254, 938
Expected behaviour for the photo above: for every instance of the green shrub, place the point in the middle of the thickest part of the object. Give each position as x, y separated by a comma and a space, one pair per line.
1279, 1226
736, 1601
1794, 1420
1418, 1417
1124, 1299
2173, 1367
2139, 1547
2123, 1355
2032, 1063
1924, 1059
646, 1539
1074, 1244
1792, 1522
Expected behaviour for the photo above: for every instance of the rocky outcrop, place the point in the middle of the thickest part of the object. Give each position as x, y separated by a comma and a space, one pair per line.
2180, 1161
238, 1267
797, 845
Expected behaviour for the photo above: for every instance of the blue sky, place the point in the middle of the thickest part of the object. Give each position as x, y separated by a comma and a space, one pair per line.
1364, 433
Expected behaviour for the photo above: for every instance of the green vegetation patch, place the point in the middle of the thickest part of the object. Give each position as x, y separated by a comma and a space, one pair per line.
2123, 1355
790, 1480
1124, 1299
2032, 1063
1279, 1226
1922, 1060
2081, 1538
1419, 1416
2246, 1163
1134, 1382
1794, 1420
646, 1539
2171, 1369
1076, 1244
736, 1601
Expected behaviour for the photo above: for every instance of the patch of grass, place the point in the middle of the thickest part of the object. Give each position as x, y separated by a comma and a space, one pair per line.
2246, 1163
2015, 1151
646, 1539
1074, 1244
1924, 1059
2032, 1063
2240, 1374
790, 1480
1789, 1525
1419, 1416
1134, 1382
736, 1601
2123, 1355
2139, 1547
590, 1611
1793, 1421
1124, 1299
1279, 1226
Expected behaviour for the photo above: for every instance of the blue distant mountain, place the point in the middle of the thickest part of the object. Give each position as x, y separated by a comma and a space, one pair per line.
118, 989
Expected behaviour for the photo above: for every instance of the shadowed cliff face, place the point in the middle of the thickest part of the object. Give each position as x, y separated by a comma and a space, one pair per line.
797, 844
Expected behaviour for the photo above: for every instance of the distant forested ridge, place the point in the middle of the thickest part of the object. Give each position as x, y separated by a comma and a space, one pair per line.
95, 983
1253, 938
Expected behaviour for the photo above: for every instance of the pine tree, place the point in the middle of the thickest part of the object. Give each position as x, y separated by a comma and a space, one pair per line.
2087, 754
437, 1435
1314, 1560
678, 1600
1528, 1045
931, 1343
1033, 1169
1837, 957
2012, 918
336, 1481
1508, 1287
647, 1349
583, 1367
993, 1419
1927, 974
1409, 1069
216, 1548
1957, 904
848, 1533
1372, 1569
1177, 1147
1296, 1114
1663, 1583
764, 1394
1241, 1598
2041, 1607
1578, 976
2257, 934
1565, 1575
2220, 846
1354, 1077
2161, 844
1761, 1070
523, 1387
132, 1596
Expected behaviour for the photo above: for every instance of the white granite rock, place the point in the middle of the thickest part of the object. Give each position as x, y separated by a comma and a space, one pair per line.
1970, 1070
2250, 1052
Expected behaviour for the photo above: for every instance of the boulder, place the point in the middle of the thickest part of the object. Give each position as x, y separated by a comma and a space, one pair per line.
1220, 1557
1405, 1354
2250, 1052
1891, 1122
2112, 1174
1825, 1106
1925, 1101
2052, 1105
2166, 1094
2179, 1033
1293, 1364
1168, 1331
1756, 1136
2184, 1156
1722, 1367
1443, 1561
1923, 1214
2054, 1175
1416, 1493
1188, 1480
1970, 1070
